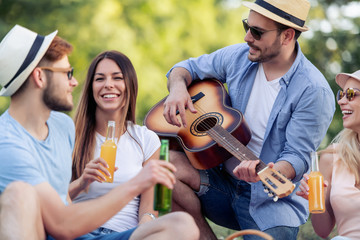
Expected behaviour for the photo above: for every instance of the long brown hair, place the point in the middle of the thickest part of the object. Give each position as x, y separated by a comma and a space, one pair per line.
85, 120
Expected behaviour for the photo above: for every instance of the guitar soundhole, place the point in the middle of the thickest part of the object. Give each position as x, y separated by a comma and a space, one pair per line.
205, 122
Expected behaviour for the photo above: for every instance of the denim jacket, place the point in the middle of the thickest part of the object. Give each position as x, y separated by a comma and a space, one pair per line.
300, 117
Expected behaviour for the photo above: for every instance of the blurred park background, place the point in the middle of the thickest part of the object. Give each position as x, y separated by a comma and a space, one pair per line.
155, 34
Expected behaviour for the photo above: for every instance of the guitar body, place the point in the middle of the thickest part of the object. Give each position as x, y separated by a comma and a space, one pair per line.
213, 106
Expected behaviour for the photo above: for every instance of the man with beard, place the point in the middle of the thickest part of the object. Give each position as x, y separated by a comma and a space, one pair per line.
36, 147
288, 106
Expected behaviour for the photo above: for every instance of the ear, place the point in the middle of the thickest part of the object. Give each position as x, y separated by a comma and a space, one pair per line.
39, 78
288, 36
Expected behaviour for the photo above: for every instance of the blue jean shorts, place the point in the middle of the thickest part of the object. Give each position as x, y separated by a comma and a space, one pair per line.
225, 201
104, 234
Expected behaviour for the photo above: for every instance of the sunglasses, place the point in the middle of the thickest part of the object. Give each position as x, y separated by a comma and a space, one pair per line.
256, 33
69, 71
349, 93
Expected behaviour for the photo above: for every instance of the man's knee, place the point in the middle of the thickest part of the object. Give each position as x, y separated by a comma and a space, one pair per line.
178, 158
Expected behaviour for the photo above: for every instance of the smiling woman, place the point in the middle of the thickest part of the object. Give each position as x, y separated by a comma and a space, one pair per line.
340, 165
109, 94
109, 89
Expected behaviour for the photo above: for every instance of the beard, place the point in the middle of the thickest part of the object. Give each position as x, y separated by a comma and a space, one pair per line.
53, 101
267, 53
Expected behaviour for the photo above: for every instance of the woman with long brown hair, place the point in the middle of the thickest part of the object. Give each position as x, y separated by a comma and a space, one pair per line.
110, 93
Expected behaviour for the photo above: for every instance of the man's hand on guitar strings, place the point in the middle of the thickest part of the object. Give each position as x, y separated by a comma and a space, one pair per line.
176, 104
246, 170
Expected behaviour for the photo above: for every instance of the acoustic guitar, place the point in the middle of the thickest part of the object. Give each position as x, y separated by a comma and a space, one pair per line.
215, 133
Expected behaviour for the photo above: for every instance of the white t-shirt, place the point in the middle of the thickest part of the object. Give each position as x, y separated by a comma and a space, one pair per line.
129, 160
258, 109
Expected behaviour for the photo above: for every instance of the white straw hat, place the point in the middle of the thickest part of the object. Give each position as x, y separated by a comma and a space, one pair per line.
292, 13
20, 52
341, 78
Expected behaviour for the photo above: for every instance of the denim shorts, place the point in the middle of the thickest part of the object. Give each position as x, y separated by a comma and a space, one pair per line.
104, 234
225, 201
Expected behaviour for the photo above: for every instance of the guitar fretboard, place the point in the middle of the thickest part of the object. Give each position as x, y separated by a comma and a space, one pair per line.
234, 146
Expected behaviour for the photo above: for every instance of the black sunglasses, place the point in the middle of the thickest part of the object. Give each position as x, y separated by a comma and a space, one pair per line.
349, 93
69, 71
256, 33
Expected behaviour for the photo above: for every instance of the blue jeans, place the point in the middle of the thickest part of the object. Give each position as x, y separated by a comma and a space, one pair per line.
225, 201
104, 234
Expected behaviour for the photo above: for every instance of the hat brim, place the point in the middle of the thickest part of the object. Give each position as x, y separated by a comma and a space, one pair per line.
341, 78
15, 85
273, 16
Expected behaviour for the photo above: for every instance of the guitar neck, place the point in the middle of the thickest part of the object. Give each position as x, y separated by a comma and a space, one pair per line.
234, 146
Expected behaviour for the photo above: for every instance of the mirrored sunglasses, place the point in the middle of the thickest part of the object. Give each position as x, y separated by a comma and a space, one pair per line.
349, 93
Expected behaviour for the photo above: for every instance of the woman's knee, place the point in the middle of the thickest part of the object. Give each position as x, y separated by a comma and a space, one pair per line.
19, 194
184, 224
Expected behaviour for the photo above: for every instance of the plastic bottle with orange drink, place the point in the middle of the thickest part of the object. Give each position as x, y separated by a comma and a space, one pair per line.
108, 151
316, 187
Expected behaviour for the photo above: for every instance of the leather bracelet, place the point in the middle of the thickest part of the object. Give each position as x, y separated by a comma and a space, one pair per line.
150, 215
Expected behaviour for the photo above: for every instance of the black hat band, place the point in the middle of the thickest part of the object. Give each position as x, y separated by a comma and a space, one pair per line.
29, 58
280, 13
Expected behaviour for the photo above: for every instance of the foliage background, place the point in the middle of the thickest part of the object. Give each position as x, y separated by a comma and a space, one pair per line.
155, 34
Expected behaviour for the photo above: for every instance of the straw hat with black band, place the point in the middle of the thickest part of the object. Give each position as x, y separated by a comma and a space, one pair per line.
292, 13
20, 52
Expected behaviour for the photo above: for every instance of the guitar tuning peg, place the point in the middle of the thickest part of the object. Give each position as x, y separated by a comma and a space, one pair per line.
275, 198
270, 194
266, 190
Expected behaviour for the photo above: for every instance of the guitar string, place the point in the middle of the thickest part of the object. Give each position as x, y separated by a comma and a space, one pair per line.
228, 142
234, 150
216, 134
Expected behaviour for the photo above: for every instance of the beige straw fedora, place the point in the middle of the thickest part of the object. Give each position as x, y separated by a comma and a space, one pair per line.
341, 78
20, 52
292, 13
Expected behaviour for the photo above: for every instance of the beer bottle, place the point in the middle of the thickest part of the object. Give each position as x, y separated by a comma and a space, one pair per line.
162, 194
108, 151
316, 187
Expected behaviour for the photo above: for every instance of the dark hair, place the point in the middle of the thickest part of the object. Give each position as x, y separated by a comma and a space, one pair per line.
283, 27
85, 120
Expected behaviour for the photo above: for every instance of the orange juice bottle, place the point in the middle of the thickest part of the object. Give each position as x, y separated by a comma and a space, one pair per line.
316, 187
108, 151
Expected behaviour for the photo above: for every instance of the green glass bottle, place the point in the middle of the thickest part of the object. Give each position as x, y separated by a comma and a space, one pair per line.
162, 194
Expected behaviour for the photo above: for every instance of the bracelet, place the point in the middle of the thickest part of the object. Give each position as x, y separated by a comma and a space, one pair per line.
150, 215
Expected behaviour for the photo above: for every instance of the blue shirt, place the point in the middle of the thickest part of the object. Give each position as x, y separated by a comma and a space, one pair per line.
25, 158
300, 117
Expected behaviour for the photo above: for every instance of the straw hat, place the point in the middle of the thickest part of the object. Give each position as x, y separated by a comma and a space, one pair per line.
292, 13
341, 78
20, 52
